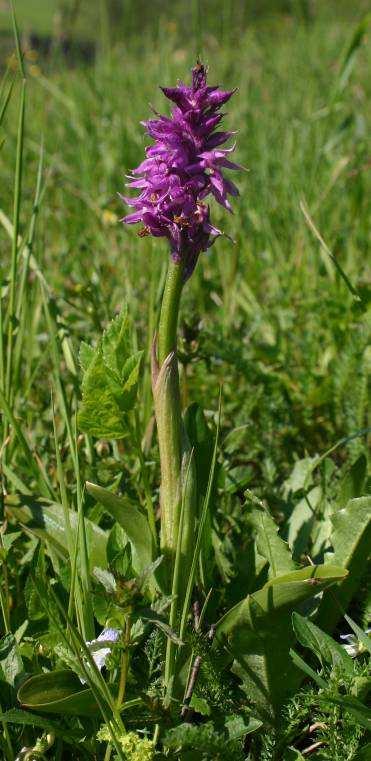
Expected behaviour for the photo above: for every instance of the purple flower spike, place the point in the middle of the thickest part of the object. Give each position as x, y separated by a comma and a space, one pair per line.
182, 168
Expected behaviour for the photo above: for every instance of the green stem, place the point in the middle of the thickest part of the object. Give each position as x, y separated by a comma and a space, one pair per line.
178, 486
167, 332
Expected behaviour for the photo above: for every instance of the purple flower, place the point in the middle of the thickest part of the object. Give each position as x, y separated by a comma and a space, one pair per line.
184, 166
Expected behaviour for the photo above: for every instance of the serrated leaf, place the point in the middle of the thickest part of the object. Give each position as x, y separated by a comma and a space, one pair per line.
110, 381
351, 540
321, 644
100, 414
86, 355
258, 633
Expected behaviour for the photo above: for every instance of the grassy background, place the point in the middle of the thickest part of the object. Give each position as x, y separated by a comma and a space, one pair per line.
277, 319
269, 317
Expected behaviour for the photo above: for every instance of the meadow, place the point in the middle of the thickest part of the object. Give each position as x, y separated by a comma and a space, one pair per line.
240, 655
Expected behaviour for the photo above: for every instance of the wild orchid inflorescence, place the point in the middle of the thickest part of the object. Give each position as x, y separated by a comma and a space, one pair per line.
183, 167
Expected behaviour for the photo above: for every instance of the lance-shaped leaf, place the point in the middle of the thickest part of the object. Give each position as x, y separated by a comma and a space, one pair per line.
351, 540
165, 387
110, 381
133, 522
258, 633
45, 519
269, 543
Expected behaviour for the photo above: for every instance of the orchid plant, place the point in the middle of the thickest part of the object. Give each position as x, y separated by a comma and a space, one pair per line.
168, 550
183, 168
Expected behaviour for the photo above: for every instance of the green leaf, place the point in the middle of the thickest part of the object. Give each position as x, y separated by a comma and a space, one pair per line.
300, 476
237, 728
351, 540
34, 609
26, 718
110, 381
106, 579
321, 644
10, 660
360, 712
351, 51
302, 520
86, 355
133, 522
45, 519
58, 692
258, 634
202, 443
352, 484
301, 664
119, 551
269, 543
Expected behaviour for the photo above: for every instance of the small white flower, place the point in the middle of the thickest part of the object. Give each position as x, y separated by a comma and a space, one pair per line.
101, 647
353, 647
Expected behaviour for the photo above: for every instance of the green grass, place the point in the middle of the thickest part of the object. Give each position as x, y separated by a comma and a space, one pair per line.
272, 318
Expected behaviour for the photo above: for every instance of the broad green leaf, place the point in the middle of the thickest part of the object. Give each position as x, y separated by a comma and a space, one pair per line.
57, 692
268, 542
110, 381
133, 522
258, 633
300, 476
45, 520
351, 540
321, 644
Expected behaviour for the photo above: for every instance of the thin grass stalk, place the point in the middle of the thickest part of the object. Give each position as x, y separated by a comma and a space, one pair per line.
2, 357
87, 611
14, 260
75, 600
6, 100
